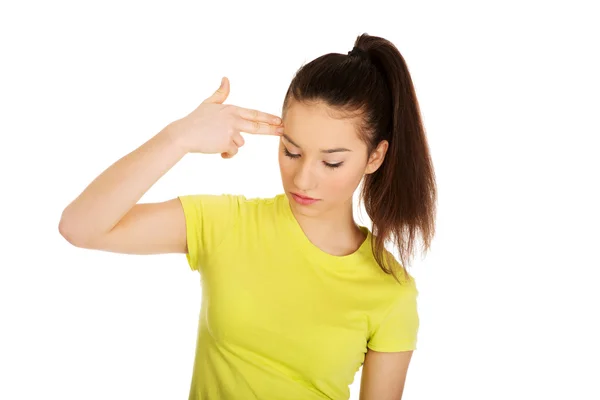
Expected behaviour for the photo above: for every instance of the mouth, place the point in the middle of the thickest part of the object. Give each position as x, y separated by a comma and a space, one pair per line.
302, 197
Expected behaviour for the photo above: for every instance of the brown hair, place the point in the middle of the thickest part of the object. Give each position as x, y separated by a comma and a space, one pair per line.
374, 84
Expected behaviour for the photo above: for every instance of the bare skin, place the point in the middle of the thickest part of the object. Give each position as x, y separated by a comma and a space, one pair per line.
107, 216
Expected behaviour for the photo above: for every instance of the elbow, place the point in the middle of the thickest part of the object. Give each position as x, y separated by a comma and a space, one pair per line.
68, 231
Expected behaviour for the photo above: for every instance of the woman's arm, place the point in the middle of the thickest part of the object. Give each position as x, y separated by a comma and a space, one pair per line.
106, 214
109, 198
384, 374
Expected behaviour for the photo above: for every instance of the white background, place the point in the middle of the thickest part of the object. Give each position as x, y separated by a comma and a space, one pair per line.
509, 94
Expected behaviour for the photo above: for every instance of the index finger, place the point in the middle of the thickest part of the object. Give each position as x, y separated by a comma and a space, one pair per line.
258, 116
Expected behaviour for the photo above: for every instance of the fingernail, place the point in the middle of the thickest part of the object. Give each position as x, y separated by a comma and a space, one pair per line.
277, 120
279, 130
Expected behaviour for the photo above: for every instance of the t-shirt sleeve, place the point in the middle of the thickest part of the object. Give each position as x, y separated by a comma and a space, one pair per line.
400, 325
209, 220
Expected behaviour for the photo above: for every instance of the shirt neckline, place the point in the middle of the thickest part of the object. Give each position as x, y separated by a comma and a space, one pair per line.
359, 256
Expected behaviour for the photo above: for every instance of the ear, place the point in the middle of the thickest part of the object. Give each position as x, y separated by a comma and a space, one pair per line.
377, 157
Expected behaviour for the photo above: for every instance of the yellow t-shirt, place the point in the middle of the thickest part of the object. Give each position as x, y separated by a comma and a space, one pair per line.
280, 318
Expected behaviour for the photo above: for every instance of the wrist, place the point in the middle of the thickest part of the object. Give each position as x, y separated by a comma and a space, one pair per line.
174, 137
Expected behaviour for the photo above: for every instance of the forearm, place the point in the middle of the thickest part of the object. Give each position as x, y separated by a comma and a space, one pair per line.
115, 191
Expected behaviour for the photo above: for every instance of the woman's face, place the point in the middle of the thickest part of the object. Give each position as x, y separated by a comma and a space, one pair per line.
322, 157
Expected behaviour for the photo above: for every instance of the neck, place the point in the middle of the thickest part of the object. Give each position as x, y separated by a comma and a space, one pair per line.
333, 226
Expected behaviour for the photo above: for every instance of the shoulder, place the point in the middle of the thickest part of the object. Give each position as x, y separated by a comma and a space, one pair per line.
227, 200
264, 200
253, 205
240, 210
263, 207
405, 282
395, 295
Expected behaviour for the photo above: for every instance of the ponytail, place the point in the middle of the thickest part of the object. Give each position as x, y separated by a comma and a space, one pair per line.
400, 196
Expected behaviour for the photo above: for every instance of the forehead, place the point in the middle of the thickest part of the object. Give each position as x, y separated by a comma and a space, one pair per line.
316, 125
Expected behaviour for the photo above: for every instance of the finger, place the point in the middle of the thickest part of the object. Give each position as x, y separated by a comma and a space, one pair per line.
220, 95
258, 116
255, 127
231, 152
238, 140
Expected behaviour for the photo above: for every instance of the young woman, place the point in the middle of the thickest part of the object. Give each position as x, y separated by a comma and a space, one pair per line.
295, 295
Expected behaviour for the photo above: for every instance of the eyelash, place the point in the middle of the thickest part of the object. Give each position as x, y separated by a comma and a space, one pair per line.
293, 156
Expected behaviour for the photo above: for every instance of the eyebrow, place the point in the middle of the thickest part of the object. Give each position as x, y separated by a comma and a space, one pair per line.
336, 150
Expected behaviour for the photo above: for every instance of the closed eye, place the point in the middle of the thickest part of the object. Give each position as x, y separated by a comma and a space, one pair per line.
290, 155
293, 156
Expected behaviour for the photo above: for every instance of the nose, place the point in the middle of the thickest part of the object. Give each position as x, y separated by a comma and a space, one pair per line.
304, 178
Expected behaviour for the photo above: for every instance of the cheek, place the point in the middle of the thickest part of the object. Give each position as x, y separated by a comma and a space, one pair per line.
341, 182
285, 167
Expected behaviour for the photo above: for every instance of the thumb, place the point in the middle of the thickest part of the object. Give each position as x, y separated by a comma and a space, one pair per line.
221, 93
233, 150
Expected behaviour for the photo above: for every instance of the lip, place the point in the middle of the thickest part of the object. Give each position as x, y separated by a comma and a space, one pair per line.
302, 197
303, 201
